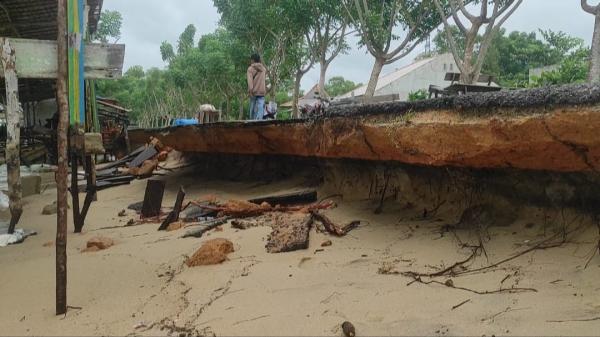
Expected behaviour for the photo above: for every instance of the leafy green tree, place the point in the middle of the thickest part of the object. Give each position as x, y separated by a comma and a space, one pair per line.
510, 56
338, 85
324, 26
186, 39
471, 57
573, 69
167, 52
109, 26
264, 26
375, 22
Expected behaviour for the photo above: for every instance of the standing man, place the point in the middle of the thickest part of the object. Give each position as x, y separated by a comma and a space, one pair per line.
257, 87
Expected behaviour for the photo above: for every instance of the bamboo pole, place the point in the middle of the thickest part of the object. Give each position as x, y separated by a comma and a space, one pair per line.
62, 170
13, 133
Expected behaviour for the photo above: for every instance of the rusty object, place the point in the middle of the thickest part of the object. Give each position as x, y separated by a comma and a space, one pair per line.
13, 133
62, 169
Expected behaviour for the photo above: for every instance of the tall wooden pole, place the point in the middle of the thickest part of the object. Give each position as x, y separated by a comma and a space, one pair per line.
62, 171
13, 132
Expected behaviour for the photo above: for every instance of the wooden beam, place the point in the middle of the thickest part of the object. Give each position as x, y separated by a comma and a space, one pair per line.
38, 59
62, 170
153, 198
13, 133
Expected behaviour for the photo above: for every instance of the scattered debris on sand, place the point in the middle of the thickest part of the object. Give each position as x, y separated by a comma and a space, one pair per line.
98, 243
212, 252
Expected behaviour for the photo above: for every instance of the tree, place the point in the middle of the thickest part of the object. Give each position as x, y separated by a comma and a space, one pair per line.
573, 69
186, 40
324, 26
167, 52
594, 74
109, 26
135, 72
375, 22
264, 26
468, 61
303, 60
511, 56
338, 85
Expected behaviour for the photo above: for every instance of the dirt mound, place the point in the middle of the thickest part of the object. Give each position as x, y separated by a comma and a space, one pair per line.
98, 243
212, 252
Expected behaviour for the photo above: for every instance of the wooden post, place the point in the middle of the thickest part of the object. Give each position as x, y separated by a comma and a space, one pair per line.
62, 170
13, 133
153, 198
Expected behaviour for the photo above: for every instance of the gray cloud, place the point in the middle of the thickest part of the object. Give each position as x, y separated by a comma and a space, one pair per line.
146, 23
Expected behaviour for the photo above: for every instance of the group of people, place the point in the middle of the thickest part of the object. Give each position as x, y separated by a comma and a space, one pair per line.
257, 88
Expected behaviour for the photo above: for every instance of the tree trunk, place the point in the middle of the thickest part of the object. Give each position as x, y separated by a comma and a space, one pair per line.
379, 62
323, 72
241, 113
13, 133
295, 109
467, 76
594, 76
62, 169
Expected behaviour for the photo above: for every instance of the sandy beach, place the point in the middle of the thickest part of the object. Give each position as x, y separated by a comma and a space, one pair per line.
141, 286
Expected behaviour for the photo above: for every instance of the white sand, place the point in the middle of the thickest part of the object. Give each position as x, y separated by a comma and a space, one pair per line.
140, 285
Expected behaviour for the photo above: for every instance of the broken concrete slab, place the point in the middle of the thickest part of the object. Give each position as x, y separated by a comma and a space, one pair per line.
290, 233
551, 129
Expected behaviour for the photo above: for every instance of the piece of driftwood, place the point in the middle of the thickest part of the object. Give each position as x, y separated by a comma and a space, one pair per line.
205, 227
153, 198
148, 153
288, 199
174, 215
331, 227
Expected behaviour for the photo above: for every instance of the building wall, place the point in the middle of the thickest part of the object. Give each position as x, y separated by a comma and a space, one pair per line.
421, 78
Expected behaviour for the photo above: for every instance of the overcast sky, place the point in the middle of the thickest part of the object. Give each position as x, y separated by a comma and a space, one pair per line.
146, 23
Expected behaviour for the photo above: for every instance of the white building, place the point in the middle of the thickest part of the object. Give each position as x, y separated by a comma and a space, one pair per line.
310, 98
416, 76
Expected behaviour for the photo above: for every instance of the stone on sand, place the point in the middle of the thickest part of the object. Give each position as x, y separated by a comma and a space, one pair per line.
212, 252
98, 243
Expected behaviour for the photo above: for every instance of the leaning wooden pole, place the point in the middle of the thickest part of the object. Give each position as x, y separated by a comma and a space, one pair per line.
13, 133
62, 171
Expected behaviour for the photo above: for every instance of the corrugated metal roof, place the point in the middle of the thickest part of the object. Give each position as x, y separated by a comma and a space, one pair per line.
36, 19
